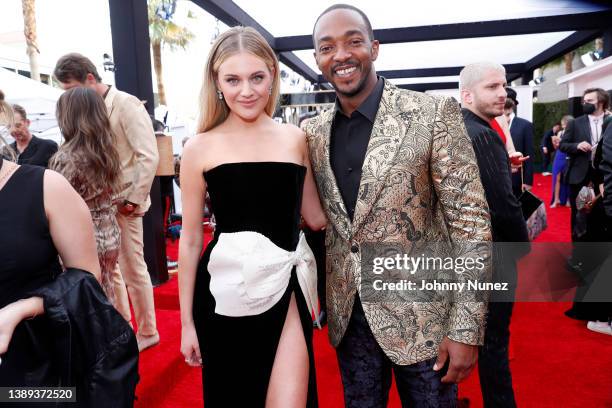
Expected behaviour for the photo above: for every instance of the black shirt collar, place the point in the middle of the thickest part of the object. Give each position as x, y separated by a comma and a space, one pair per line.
369, 107
468, 114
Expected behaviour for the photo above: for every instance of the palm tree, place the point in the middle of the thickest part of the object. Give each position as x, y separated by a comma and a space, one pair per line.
29, 30
164, 32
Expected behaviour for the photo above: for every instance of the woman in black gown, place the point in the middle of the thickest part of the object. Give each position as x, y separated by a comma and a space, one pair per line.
246, 303
40, 216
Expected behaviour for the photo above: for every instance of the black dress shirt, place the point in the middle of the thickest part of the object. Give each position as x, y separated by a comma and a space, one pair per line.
349, 142
37, 153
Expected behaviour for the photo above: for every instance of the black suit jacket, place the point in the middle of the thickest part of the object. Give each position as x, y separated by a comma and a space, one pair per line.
604, 158
547, 141
507, 222
577, 131
38, 152
521, 131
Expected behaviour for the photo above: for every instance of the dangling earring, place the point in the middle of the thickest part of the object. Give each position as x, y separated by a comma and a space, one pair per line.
220, 95
270, 91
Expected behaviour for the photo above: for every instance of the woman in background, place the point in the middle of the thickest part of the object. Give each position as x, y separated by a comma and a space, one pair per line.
560, 189
90, 162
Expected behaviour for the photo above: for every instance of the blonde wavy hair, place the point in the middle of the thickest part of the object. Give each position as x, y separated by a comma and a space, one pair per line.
214, 111
6, 119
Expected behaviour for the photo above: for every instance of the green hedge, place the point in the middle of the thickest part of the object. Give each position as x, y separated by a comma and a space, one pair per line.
545, 115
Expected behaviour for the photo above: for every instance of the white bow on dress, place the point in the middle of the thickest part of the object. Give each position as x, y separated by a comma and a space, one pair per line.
249, 273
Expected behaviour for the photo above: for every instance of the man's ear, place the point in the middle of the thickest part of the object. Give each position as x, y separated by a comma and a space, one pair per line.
375, 47
315, 55
466, 96
90, 79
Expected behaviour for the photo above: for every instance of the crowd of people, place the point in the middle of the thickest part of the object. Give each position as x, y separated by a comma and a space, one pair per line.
385, 166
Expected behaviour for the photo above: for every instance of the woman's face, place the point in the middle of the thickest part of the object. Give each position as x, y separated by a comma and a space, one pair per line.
245, 82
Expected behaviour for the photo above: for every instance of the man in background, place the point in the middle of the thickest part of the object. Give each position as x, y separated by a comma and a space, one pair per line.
483, 98
28, 148
546, 145
521, 131
137, 147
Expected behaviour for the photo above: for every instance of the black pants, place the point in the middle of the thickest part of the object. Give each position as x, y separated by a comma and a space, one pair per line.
545, 161
493, 364
366, 373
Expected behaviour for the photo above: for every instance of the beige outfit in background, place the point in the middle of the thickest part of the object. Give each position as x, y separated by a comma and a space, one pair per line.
137, 149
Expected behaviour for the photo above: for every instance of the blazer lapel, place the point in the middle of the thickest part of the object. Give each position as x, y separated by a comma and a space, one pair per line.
336, 210
110, 98
380, 156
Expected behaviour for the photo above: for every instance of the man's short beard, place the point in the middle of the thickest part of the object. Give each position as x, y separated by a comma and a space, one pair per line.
360, 86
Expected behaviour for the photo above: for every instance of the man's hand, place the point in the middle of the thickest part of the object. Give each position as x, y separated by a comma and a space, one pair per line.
584, 146
545, 150
527, 187
126, 208
463, 358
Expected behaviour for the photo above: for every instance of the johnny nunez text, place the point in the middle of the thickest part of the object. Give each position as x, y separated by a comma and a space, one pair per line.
475, 284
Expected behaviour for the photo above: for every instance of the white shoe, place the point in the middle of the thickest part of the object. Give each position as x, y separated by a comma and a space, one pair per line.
600, 327
546, 173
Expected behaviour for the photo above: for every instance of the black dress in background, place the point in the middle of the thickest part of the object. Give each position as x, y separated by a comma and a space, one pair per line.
238, 352
28, 260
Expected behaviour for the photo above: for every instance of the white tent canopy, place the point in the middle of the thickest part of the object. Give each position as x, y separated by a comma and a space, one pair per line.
37, 99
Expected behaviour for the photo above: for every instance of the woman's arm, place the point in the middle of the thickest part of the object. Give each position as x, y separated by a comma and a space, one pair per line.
312, 211
72, 232
193, 191
70, 224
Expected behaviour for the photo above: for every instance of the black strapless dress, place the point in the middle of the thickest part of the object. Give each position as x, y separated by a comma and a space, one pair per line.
238, 352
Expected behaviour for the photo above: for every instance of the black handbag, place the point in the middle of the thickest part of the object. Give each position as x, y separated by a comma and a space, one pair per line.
529, 203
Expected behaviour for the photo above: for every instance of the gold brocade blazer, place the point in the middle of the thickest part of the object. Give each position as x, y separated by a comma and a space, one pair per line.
420, 182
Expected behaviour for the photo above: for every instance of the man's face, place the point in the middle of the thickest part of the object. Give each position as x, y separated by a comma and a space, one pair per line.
343, 51
591, 98
90, 82
20, 130
487, 97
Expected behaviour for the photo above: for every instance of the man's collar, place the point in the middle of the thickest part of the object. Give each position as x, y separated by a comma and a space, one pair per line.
107, 91
369, 107
596, 117
469, 114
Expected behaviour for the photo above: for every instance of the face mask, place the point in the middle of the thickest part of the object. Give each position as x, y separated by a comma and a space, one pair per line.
588, 108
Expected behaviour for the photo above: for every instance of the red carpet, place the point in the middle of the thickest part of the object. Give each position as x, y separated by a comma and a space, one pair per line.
557, 361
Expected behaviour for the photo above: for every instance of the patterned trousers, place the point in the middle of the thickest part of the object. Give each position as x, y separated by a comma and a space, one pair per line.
366, 373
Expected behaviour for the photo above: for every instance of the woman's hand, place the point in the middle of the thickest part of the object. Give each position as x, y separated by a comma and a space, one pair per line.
190, 347
12, 314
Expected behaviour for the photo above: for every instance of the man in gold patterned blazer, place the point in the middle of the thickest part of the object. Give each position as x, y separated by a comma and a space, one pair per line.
392, 167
